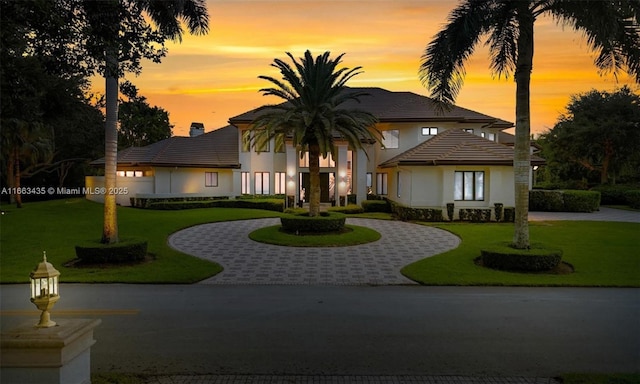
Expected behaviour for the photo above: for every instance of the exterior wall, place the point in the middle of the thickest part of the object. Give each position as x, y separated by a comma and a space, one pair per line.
165, 182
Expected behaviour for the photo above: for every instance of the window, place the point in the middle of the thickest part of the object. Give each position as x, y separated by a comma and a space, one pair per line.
262, 146
245, 183
468, 185
369, 182
391, 139
381, 183
279, 147
429, 131
468, 130
489, 136
211, 179
120, 173
262, 183
246, 140
280, 183
138, 173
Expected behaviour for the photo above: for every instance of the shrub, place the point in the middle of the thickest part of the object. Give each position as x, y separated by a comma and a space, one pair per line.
349, 209
543, 200
323, 223
450, 210
124, 251
499, 207
476, 215
375, 206
581, 201
352, 199
503, 256
420, 214
266, 204
509, 214
633, 199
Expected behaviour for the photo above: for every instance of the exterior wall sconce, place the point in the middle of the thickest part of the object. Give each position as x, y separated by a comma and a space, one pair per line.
44, 290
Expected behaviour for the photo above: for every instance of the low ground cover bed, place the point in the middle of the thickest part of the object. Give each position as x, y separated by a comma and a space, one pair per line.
350, 235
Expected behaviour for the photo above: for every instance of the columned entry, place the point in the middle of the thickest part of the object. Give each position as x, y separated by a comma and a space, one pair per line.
327, 186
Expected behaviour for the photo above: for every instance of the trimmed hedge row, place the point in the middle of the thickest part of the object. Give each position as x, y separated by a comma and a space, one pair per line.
619, 194
503, 256
124, 251
421, 214
564, 201
476, 215
633, 199
348, 210
267, 204
145, 202
302, 223
376, 206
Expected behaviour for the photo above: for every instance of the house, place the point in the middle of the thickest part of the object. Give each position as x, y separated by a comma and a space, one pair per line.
427, 159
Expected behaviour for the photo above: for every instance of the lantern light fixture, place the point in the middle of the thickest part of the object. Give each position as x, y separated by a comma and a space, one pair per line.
44, 290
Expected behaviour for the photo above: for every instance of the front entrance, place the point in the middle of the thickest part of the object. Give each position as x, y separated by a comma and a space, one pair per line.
326, 186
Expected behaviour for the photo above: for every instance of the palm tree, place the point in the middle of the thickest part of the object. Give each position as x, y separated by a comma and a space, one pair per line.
123, 39
612, 31
312, 116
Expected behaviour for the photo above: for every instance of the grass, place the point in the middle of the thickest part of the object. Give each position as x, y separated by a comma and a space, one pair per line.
356, 235
57, 226
603, 254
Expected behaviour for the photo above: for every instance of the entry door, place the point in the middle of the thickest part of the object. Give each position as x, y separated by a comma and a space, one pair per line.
324, 186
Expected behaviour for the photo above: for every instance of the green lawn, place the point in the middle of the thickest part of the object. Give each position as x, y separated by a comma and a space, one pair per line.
56, 226
602, 254
357, 235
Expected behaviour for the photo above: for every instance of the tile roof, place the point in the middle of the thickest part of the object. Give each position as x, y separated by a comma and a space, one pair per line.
215, 149
389, 106
456, 147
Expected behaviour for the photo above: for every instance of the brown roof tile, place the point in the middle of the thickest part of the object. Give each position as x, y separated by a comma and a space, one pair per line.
389, 106
215, 149
456, 147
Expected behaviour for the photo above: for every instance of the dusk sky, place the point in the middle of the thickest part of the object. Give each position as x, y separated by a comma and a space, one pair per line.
211, 78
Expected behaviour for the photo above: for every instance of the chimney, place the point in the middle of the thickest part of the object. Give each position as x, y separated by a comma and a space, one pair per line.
196, 129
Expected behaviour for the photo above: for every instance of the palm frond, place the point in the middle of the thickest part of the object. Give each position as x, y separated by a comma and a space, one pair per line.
442, 68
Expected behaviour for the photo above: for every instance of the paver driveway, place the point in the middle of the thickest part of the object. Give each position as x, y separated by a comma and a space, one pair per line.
248, 262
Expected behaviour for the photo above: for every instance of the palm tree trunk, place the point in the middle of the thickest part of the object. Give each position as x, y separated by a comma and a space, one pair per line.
314, 179
522, 154
110, 224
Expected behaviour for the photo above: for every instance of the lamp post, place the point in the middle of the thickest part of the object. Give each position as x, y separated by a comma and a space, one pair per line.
44, 290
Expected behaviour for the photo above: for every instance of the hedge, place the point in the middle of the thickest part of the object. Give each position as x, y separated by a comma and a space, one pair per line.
144, 202
349, 209
376, 206
266, 204
421, 214
503, 256
124, 251
303, 223
476, 215
564, 201
633, 199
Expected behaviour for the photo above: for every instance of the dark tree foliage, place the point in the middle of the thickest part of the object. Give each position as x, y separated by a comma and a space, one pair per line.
140, 123
598, 139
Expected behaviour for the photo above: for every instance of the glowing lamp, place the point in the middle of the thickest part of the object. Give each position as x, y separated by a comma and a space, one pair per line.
44, 290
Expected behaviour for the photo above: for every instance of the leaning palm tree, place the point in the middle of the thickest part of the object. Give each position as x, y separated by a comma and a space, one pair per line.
612, 31
313, 115
121, 37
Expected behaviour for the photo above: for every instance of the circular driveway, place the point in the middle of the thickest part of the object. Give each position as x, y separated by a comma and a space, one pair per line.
248, 262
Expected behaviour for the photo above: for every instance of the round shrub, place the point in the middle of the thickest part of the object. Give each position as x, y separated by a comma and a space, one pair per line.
125, 251
323, 223
538, 257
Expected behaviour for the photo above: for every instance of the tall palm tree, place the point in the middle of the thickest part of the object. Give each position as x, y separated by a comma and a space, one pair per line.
612, 31
312, 116
124, 38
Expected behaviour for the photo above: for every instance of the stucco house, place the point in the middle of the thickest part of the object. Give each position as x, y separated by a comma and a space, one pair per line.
427, 159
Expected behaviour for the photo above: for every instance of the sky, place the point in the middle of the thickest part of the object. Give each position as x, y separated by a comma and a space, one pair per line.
212, 78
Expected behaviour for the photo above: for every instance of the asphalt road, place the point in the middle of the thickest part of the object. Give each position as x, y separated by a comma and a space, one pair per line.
322, 330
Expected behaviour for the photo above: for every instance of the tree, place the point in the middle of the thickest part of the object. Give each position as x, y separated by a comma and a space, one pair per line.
599, 133
120, 37
312, 116
612, 31
140, 123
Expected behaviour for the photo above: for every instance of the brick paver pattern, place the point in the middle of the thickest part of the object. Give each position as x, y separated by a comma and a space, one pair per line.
248, 262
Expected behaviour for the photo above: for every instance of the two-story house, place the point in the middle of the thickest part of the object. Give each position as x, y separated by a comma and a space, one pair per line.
426, 159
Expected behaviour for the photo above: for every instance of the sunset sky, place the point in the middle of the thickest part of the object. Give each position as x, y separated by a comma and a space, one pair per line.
211, 78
